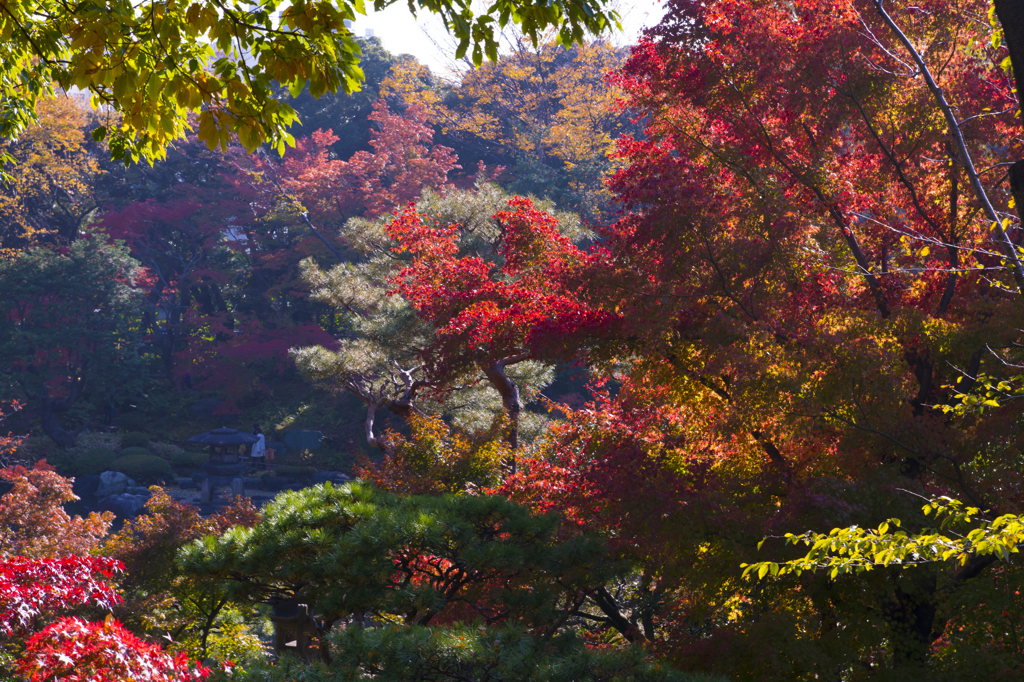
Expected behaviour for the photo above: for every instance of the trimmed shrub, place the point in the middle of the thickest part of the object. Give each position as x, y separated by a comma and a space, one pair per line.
95, 461
135, 439
146, 469
189, 460
89, 440
133, 421
165, 450
295, 471
303, 440
33, 448
134, 452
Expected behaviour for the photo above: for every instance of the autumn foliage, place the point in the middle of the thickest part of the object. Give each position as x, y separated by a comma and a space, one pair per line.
403, 162
798, 307
51, 196
33, 522
34, 588
814, 256
73, 649
48, 571
542, 111
522, 301
436, 459
34, 591
158, 598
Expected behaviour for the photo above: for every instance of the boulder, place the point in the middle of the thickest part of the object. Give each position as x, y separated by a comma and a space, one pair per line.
138, 490
124, 506
86, 486
335, 477
303, 440
113, 483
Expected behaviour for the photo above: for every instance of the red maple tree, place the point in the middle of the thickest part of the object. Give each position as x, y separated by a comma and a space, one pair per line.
519, 303
815, 252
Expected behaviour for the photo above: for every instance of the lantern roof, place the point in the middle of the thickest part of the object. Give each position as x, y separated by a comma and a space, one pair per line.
223, 436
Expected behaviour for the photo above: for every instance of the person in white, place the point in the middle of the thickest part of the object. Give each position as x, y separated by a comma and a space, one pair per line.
259, 448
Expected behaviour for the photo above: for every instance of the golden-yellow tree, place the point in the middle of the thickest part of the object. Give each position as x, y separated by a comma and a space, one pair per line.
546, 112
49, 195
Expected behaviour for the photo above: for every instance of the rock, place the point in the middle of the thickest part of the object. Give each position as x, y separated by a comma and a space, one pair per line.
113, 483
303, 440
277, 446
125, 506
335, 477
138, 490
274, 483
186, 483
86, 486
203, 409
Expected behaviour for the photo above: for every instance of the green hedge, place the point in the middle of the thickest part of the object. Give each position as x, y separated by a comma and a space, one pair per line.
135, 439
189, 460
95, 461
145, 469
134, 451
295, 471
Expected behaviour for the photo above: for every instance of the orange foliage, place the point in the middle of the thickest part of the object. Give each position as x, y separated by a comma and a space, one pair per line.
33, 522
9, 443
438, 459
541, 103
157, 596
153, 539
51, 194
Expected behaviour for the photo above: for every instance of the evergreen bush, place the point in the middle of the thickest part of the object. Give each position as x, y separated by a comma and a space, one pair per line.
34, 448
165, 450
189, 460
135, 439
95, 461
509, 560
146, 469
301, 439
87, 440
134, 451
295, 471
63, 461
133, 420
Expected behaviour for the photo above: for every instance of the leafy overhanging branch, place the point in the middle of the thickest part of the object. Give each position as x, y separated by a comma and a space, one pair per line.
856, 550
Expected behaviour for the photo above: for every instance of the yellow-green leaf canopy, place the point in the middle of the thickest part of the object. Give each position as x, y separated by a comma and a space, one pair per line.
154, 63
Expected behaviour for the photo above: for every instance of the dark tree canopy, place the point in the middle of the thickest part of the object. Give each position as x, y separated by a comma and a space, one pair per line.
68, 329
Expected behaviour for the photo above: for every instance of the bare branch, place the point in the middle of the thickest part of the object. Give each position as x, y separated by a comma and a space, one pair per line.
961, 145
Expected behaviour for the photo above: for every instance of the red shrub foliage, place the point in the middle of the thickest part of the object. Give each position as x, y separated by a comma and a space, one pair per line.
74, 650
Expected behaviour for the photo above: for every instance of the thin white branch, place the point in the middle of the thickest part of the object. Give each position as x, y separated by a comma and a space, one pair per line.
961, 145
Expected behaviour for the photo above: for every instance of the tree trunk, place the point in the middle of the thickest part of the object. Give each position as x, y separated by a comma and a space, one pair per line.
1011, 18
371, 412
64, 438
50, 408
510, 400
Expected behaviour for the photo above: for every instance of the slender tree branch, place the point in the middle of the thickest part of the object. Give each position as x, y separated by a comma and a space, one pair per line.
961, 145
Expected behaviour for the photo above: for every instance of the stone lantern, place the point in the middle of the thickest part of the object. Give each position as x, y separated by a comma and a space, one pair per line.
294, 629
224, 467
